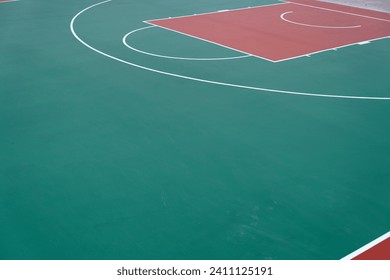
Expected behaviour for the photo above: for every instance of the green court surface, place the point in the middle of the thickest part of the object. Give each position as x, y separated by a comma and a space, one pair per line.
110, 153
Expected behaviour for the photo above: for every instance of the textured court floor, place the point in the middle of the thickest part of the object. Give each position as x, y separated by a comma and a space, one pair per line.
119, 140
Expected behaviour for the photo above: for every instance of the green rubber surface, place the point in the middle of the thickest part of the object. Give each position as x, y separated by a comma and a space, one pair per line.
103, 160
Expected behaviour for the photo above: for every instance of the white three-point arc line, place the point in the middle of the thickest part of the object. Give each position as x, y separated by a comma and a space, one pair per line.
72, 29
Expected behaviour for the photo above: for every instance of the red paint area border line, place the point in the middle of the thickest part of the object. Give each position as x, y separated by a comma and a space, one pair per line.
379, 249
263, 32
5, 1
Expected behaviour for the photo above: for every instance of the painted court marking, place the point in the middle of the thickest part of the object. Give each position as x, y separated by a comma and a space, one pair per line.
283, 17
220, 11
208, 41
379, 249
74, 33
124, 40
262, 31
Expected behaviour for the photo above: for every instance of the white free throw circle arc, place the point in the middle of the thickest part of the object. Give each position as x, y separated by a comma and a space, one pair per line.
124, 41
283, 17
72, 25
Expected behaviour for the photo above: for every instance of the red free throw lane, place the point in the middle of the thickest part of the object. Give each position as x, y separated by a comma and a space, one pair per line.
380, 251
281, 31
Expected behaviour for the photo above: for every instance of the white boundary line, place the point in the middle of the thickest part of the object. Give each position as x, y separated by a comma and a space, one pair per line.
282, 2
221, 11
282, 16
367, 247
337, 11
124, 40
335, 48
72, 24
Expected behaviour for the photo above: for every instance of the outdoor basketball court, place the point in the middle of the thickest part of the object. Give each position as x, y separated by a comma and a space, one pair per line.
253, 129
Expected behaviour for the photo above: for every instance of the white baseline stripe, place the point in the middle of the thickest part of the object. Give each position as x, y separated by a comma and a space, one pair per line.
367, 247
72, 23
333, 48
220, 11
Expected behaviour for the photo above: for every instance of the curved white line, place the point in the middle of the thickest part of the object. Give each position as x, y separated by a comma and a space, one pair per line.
203, 80
124, 40
282, 16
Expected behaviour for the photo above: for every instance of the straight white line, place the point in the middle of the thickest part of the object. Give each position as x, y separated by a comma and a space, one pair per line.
333, 48
367, 247
226, 47
337, 11
220, 11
